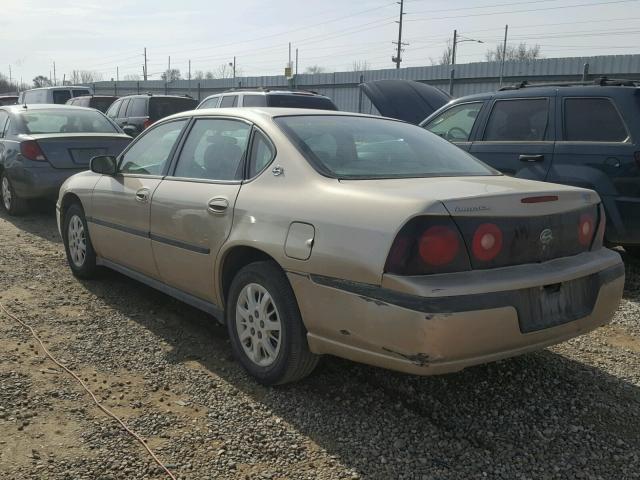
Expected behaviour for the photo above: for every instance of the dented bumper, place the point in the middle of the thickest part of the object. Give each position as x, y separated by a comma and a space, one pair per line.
443, 323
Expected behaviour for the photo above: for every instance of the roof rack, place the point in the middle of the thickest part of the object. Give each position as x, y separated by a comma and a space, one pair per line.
600, 81
270, 89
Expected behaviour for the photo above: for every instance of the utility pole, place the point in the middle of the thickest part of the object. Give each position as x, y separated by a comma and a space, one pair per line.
54, 74
169, 69
398, 58
234, 69
9, 74
189, 77
453, 61
504, 52
296, 61
289, 64
295, 76
144, 69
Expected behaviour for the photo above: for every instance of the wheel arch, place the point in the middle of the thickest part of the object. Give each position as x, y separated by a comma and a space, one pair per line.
233, 260
69, 199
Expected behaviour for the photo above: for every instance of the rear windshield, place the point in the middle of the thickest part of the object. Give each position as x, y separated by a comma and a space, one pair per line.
163, 107
66, 121
101, 104
300, 101
368, 148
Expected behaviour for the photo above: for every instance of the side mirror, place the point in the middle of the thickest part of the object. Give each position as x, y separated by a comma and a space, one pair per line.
130, 130
104, 164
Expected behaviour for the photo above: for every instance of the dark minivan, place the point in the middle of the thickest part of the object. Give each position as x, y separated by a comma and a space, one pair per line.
134, 113
574, 134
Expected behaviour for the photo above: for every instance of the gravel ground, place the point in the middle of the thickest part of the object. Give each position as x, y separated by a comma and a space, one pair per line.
572, 411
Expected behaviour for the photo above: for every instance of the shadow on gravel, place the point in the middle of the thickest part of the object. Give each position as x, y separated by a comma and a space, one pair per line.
40, 221
539, 416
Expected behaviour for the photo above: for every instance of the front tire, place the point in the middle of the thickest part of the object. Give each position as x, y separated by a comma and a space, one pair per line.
10, 201
265, 327
75, 233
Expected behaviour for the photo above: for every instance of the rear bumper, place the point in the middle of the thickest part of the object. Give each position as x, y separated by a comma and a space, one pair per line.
42, 182
431, 333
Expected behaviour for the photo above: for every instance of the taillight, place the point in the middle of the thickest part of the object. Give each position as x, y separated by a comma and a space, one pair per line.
439, 245
32, 151
428, 245
586, 229
147, 123
598, 242
487, 242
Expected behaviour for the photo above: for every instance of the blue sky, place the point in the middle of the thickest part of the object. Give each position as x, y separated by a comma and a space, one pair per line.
100, 36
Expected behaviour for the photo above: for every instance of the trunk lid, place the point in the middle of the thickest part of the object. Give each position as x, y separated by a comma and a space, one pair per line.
69, 150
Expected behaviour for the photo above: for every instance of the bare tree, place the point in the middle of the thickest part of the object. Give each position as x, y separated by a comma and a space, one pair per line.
223, 71
315, 69
360, 66
446, 57
41, 81
171, 75
198, 75
520, 53
209, 75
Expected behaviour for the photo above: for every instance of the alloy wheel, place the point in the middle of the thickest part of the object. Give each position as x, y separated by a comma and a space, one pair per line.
258, 325
6, 193
77, 241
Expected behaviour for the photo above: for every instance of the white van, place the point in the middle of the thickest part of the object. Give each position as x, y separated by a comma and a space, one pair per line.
58, 95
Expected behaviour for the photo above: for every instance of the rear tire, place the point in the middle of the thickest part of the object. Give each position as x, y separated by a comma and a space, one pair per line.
13, 205
77, 244
265, 326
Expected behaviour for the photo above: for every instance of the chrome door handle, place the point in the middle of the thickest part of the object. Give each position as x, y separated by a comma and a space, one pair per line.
531, 158
217, 205
142, 195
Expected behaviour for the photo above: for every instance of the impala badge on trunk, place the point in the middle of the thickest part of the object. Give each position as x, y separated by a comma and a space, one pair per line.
546, 237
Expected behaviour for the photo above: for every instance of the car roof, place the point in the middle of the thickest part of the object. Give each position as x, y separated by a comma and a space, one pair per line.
42, 106
153, 95
59, 87
266, 91
257, 113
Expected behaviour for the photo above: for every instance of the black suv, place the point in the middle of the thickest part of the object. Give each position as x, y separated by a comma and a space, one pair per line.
134, 113
586, 135
264, 97
99, 102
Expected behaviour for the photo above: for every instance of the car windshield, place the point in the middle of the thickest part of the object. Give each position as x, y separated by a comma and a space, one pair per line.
368, 148
66, 121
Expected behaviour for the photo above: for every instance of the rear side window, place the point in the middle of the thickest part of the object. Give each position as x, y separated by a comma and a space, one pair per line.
456, 123
300, 101
214, 150
61, 96
229, 101
137, 108
262, 153
80, 93
163, 107
518, 120
593, 120
210, 103
254, 101
101, 104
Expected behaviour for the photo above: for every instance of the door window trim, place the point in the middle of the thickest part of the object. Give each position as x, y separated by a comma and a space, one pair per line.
169, 162
246, 177
564, 118
176, 155
493, 106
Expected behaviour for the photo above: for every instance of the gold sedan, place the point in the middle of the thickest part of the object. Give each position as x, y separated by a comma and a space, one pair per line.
316, 232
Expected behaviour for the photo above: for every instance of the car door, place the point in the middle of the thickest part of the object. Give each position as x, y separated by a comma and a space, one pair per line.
4, 118
595, 149
456, 123
518, 136
121, 205
192, 209
137, 113
121, 116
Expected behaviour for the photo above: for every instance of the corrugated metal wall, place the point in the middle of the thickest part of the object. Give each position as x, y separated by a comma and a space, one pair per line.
342, 87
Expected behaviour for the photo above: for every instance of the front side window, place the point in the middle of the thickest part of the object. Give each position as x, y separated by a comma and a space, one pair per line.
210, 103
262, 153
66, 121
113, 109
593, 120
368, 148
229, 101
214, 150
150, 152
456, 123
61, 96
518, 120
